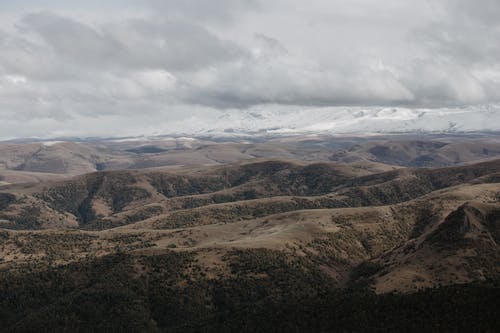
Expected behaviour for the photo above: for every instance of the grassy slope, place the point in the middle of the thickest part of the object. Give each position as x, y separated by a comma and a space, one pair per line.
289, 258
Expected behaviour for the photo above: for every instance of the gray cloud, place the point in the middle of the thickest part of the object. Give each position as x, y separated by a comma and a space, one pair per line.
485, 13
292, 82
185, 55
220, 11
72, 40
173, 45
131, 44
467, 32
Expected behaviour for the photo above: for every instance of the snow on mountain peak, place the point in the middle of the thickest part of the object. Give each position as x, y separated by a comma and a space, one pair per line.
342, 120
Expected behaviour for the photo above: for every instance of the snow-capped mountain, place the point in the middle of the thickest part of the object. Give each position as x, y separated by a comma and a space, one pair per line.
337, 120
272, 120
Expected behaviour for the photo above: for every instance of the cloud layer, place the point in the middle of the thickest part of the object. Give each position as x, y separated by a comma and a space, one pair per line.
148, 62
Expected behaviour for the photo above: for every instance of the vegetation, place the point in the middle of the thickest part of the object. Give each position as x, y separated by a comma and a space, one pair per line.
266, 291
268, 246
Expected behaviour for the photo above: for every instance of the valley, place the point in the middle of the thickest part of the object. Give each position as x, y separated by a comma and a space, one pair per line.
189, 243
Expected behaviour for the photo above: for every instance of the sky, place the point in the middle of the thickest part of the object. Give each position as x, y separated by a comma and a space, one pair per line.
128, 67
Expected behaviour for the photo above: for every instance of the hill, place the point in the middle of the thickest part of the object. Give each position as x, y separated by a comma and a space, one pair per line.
180, 249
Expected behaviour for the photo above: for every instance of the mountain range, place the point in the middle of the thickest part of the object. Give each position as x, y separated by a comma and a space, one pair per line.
176, 235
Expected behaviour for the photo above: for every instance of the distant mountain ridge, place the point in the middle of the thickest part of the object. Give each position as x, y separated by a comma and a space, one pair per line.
272, 120
178, 248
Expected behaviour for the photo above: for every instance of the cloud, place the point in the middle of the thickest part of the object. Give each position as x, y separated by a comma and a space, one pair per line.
218, 11
237, 54
485, 13
442, 83
466, 32
290, 81
132, 44
172, 45
71, 40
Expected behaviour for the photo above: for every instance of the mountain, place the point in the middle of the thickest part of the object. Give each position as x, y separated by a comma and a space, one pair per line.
282, 121
292, 120
29, 162
346, 120
420, 153
313, 231
305, 244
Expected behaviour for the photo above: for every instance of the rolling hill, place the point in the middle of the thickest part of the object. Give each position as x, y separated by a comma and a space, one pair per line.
307, 244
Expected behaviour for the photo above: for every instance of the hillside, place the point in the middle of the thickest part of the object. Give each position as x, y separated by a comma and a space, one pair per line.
25, 162
420, 153
190, 244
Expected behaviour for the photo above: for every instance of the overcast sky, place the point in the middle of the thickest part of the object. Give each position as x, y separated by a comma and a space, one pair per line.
84, 68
